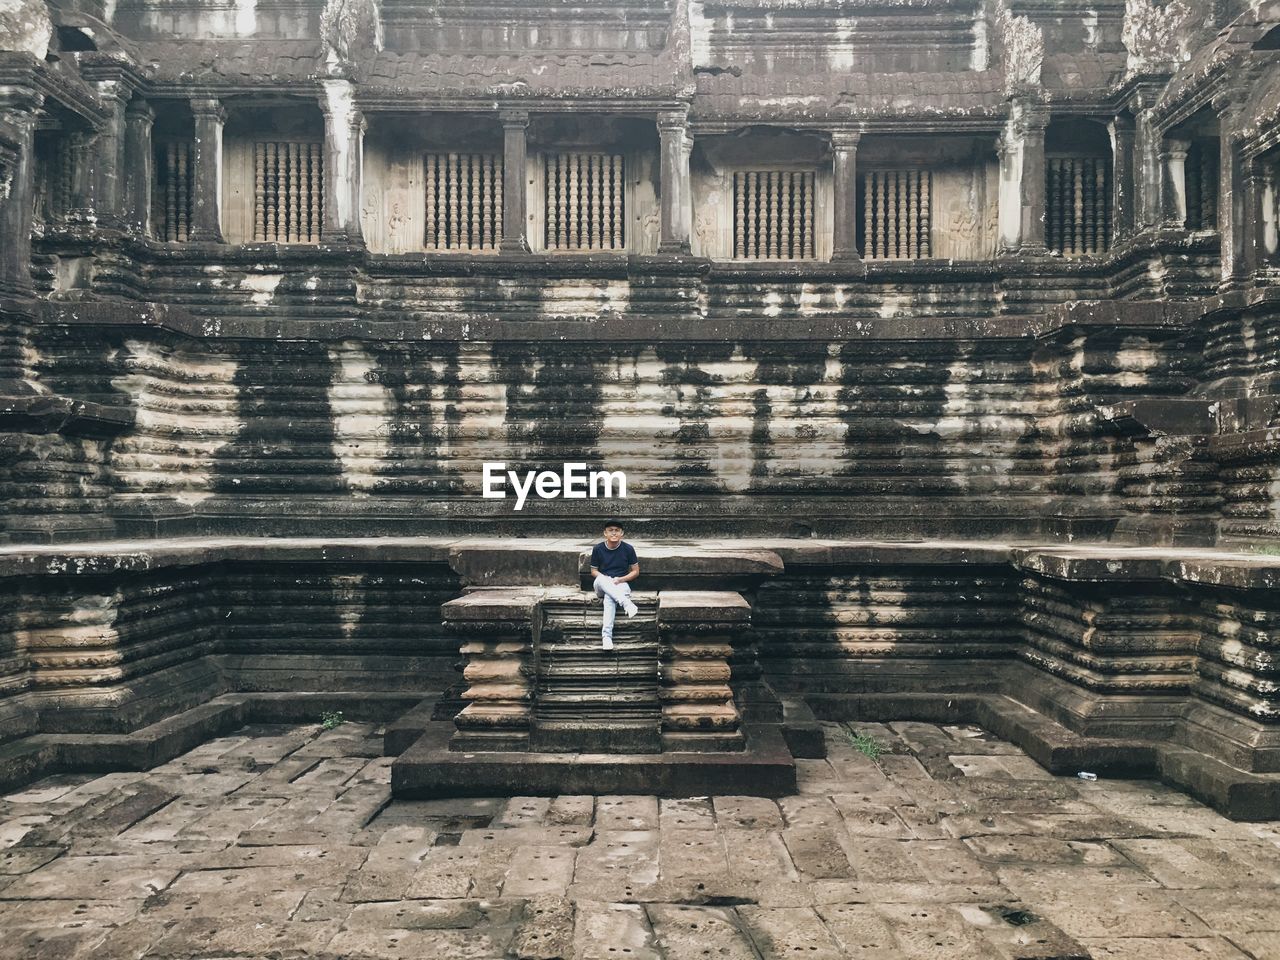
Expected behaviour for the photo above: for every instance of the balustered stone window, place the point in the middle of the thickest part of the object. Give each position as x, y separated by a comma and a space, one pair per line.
896, 214
1078, 188
773, 215
172, 190
56, 157
288, 192
1201, 172
584, 201
273, 174
463, 201
1078, 216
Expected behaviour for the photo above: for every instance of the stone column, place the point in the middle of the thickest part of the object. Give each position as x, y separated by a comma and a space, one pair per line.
1173, 191
673, 226
698, 630
109, 164
17, 202
206, 191
1254, 253
1148, 170
80, 202
515, 152
1122, 192
344, 127
844, 150
1022, 179
139, 159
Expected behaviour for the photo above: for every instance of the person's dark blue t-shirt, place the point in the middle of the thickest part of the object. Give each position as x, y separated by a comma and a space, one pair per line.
613, 563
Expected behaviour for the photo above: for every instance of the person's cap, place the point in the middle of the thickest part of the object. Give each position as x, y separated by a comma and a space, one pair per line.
613, 523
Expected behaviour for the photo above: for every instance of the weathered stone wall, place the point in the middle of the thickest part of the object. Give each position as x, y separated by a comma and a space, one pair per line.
112, 644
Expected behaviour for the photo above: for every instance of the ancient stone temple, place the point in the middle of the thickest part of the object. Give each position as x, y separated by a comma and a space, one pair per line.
937, 344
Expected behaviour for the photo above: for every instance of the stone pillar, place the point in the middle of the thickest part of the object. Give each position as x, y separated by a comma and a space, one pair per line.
1173, 191
109, 163
698, 632
673, 227
80, 202
1268, 207
515, 152
1235, 225
1022, 179
17, 202
344, 128
139, 160
1122, 190
206, 191
844, 150
1253, 254
1148, 169
497, 626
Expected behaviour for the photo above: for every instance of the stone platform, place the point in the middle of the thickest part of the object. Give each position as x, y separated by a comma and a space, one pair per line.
763, 768
285, 842
1138, 660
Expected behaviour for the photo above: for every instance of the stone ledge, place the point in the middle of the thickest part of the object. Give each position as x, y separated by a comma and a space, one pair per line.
429, 769
702, 605
1235, 793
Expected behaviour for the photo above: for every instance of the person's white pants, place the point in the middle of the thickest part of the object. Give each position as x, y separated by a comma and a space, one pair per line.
615, 595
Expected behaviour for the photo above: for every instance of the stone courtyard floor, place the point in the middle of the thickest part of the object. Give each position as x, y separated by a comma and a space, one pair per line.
282, 842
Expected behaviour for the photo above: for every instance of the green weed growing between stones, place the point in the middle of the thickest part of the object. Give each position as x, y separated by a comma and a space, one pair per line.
868, 746
332, 718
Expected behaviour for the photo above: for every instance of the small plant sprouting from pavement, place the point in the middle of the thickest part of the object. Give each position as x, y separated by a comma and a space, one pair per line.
868, 746
332, 718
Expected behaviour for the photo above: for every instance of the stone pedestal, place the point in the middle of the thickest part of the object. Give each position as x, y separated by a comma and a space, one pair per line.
498, 626
698, 630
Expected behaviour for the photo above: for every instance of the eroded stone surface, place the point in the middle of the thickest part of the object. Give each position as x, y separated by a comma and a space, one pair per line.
925, 853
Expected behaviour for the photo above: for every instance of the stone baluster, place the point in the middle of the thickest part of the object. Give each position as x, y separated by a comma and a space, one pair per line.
1100, 232
913, 214
496, 627
497, 202
808, 205
451, 169
344, 127
206, 178
787, 223
739, 215
17, 210
619, 236
292, 175
926, 214
1077, 206
752, 219
486, 202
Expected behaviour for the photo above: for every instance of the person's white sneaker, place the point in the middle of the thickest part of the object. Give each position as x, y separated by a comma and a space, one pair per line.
606, 643
631, 609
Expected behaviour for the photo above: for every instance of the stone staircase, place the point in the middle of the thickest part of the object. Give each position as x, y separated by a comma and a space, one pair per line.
592, 700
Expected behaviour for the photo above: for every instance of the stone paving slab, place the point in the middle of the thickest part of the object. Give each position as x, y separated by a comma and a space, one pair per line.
284, 842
